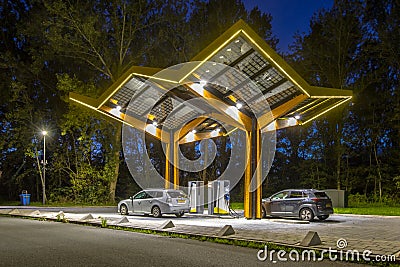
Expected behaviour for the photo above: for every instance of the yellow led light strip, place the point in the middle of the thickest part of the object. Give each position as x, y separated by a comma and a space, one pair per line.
231, 131
330, 96
325, 111
276, 64
113, 117
154, 77
210, 55
313, 107
303, 107
127, 79
115, 90
103, 112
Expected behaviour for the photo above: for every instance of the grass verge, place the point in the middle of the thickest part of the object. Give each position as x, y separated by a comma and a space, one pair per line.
383, 211
364, 210
237, 205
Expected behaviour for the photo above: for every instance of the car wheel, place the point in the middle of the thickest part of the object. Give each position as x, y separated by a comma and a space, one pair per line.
263, 212
156, 212
306, 214
179, 214
123, 209
323, 217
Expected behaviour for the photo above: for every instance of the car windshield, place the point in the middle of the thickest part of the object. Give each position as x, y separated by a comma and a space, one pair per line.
176, 194
320, 194
141, 195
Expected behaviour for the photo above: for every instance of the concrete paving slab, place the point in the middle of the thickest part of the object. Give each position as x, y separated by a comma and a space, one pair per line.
35, 213
226, 230
14, 212
5, 211
167, 225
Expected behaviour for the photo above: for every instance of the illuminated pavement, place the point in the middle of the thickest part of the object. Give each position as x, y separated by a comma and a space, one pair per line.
379, 234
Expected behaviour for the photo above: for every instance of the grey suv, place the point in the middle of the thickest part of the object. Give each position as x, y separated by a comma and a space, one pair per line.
156, 202
302, 203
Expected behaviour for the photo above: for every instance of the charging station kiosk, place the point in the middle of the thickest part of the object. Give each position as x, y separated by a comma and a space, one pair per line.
196, 196
218, 194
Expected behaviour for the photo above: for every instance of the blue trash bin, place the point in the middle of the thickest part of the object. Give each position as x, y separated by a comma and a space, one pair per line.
25, 198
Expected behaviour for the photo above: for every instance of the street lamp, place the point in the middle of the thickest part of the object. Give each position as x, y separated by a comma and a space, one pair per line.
44, 133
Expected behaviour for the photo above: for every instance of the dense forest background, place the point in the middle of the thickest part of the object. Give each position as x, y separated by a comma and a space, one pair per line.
50, 48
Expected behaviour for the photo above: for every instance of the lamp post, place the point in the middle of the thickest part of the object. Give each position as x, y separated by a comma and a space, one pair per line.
44, 133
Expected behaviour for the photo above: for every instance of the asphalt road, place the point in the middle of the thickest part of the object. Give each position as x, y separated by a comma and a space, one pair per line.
43, 243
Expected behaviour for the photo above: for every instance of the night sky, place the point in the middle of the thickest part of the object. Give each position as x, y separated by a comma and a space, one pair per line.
289, 16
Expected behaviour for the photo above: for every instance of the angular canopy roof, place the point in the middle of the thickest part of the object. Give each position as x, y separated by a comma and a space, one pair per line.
291, 99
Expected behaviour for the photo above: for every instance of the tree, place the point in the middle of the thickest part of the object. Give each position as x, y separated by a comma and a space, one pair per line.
327, 56
25, 98
102, 37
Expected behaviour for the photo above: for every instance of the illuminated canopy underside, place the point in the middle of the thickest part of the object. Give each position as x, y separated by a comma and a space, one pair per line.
292, 100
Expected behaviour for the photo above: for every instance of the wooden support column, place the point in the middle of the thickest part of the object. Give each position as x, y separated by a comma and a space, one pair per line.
171, 162
168, 166
258, 173
247, 178
252, 200
171, 165
174, 156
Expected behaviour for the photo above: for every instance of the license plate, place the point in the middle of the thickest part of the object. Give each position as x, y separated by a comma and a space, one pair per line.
181, 201
328, 205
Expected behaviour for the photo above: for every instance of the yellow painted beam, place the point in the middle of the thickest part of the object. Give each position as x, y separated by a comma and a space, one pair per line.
179, 134
269, 117
167, 176
228, 120
247, 178
258, 174
253, 172
176, 164
237, 120
241, 118
199, 136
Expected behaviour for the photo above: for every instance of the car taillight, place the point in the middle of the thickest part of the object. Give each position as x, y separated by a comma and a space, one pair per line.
315, 199
169, 200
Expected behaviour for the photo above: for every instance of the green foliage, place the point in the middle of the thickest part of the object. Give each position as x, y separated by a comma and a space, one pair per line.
61, 218
357, 200
360, 201
397, 181
83, 162
103, 222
